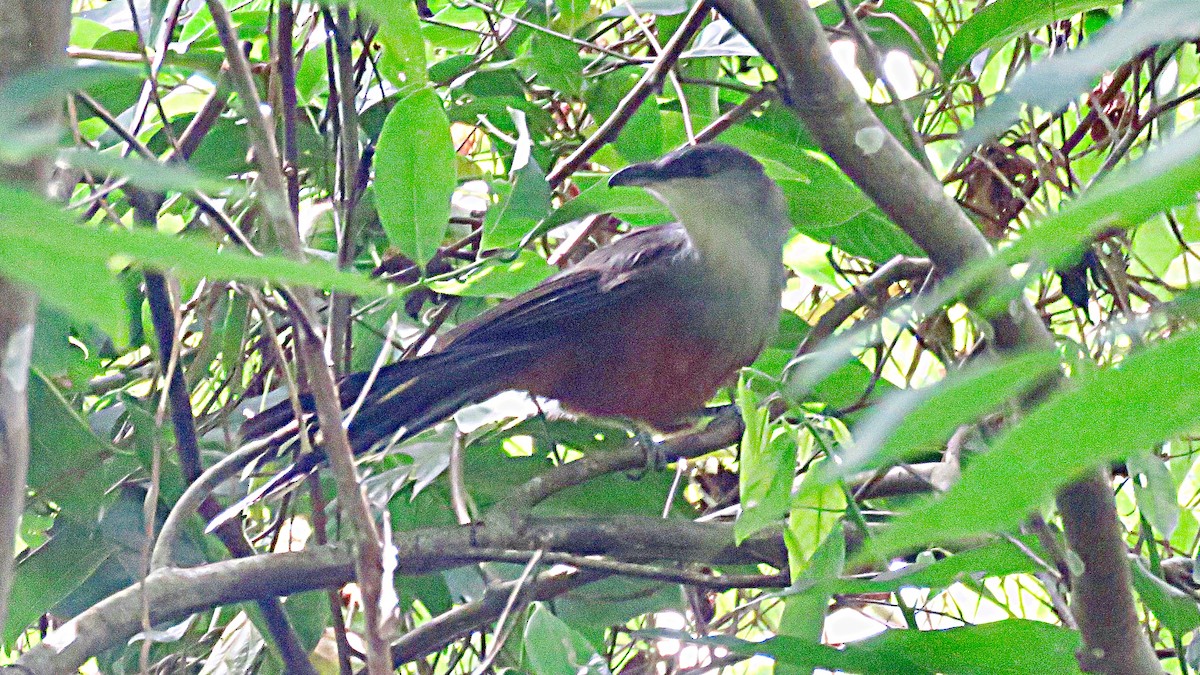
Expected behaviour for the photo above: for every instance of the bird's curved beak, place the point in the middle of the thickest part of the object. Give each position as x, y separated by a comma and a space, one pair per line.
635, 175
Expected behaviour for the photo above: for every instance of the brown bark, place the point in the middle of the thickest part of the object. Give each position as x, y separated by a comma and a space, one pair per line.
35, 36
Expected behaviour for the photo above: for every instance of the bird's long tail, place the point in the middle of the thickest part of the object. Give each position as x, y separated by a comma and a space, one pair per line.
404, 399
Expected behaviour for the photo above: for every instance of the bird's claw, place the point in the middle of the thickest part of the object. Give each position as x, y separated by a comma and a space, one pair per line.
655, 458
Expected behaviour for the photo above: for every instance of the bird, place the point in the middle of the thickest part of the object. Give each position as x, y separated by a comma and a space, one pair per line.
646, 328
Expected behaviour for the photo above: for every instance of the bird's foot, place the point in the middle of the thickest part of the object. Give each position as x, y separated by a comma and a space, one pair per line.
655, 457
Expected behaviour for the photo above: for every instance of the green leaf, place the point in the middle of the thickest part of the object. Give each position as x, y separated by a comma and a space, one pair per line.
1004, 20
912, 24
309, 614
527, 199
1052, 83
804, 612
554, 649
829, 208
768, 461
72, 267
68, 464
555, 63
498, 278
911, 421
26, 94
1174, 608
148, 174
572, 13
50, 573
966, 650
403, 59
600, 198
415, 174
1149, 397
615, 601
641, 138
815, 512
996, 559
1155, 489
1167, 176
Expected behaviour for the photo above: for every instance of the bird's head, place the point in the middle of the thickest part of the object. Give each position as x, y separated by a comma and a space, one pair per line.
717, 192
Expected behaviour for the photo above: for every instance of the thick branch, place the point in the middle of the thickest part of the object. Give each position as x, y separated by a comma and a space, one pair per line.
35, 36
175, 593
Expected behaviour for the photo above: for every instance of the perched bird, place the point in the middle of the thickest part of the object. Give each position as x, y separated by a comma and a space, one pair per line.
645, 328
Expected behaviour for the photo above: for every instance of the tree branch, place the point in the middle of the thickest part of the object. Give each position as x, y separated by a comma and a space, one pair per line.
311, 349
35, 35
174, 593
846, 128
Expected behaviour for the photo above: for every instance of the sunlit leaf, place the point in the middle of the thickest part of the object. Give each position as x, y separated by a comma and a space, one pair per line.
915, 420
403, 59
415, 174
1149, 397
1004, 20
1056, 81
526, 200
74, 267
555, 649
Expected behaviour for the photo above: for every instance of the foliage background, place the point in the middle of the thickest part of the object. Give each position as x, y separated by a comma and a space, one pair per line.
437, 157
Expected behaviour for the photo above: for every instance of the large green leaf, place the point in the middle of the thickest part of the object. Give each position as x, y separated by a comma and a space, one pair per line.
555, 63
403, 59
915, 420
1004, 20
34, 90
415, 174
69, 465
1012, 647
73, 267
50, 573
1150, 397
555, 649
1054, 82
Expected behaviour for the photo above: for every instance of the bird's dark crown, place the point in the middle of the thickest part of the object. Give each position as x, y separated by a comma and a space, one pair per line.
693, 161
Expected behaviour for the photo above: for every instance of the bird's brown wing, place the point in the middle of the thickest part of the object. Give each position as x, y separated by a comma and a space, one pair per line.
482, 356
634, 264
